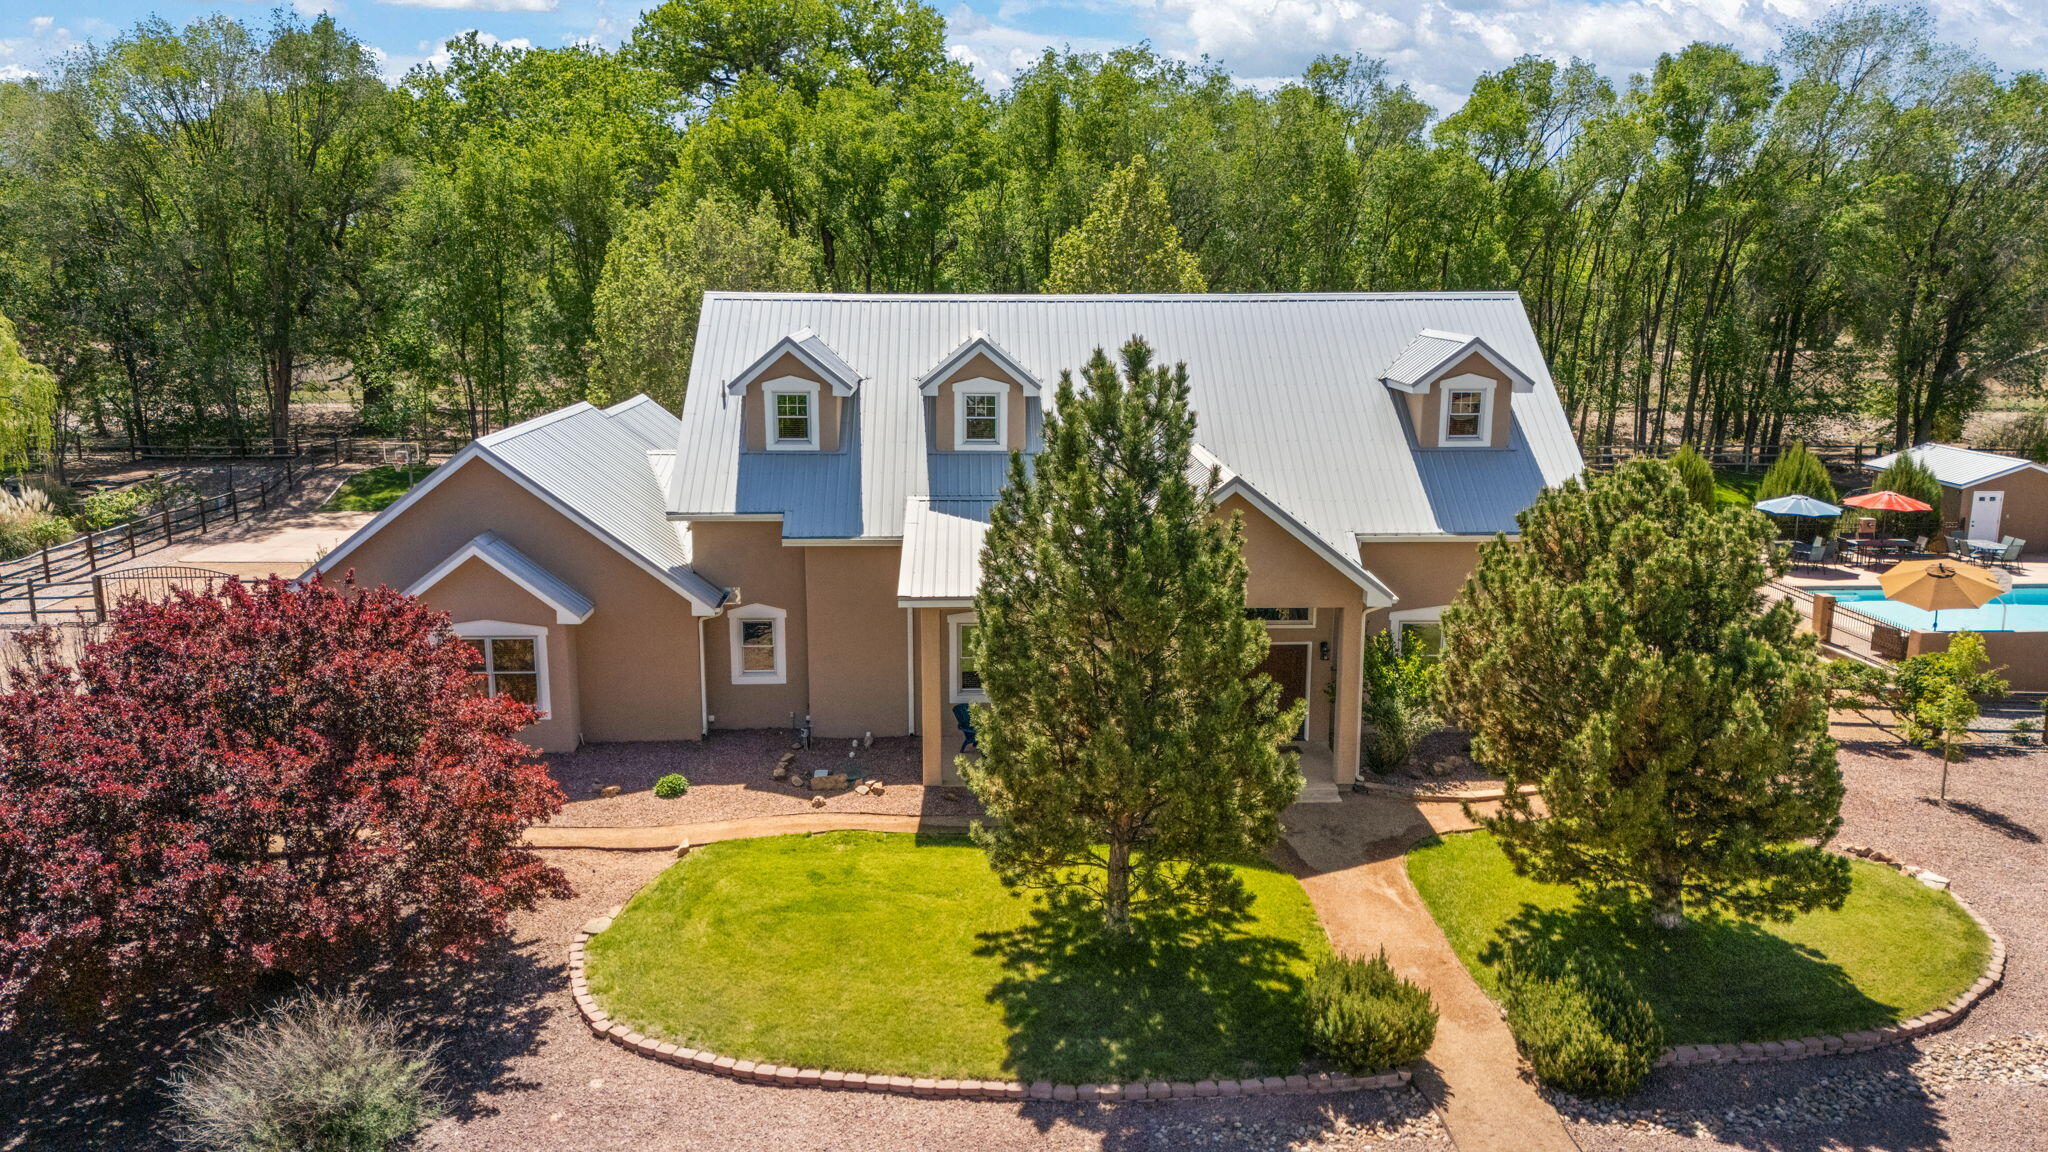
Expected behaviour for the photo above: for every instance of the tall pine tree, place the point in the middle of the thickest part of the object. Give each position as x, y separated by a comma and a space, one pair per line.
1130, 749
1619, 657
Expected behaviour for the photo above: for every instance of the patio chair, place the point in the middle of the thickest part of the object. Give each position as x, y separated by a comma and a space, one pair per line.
1814, 553
2009, 556
965, 719
1920, 546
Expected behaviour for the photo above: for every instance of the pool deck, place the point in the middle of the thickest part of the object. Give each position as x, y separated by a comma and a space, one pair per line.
2032, 569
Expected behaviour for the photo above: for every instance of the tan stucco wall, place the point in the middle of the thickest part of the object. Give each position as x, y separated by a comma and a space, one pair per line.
636, 657
1425, 409
2022, 657
750, 556
477, 591
938, 736
2025, 513
979, 368
859, 649
1422, 574
754, 414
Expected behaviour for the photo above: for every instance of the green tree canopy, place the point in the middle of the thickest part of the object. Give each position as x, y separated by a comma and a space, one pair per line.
1130, 748
1127, 242
1796, 471
669, 255
28, 400
1619, 657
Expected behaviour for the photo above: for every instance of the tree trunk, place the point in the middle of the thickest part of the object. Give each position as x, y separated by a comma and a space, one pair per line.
1116, 896
1667, 901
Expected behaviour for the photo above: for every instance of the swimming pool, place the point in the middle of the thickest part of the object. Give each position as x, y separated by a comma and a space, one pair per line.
2024, 609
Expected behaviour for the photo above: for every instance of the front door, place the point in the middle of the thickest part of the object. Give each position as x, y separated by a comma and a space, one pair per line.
1287, 664
1986, 509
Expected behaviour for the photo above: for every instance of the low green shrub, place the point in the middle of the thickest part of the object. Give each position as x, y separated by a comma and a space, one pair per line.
671, 786
1580, 1023
1363, 1018
316, 1074
1397, 705
119, 505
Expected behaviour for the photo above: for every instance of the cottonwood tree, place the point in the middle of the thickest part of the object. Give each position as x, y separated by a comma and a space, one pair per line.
1619, 657
1130, 749
1127, 242
279, 778
28, 399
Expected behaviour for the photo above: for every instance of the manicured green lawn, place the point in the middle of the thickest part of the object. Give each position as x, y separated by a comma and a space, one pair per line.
376, 489
1896, 949
901, 954
1734, 488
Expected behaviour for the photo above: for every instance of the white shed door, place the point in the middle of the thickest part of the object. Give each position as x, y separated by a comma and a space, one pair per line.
1985, 510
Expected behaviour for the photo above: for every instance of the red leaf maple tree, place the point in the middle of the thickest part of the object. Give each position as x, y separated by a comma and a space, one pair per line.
275, 777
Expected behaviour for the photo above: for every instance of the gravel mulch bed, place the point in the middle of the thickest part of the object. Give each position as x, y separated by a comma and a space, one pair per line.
1981, 1086
730, 778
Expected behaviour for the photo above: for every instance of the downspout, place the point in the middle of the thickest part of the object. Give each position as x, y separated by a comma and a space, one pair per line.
703, 688
910, 663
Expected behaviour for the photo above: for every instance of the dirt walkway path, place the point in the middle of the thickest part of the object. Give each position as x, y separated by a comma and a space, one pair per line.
1351, 861
666, 837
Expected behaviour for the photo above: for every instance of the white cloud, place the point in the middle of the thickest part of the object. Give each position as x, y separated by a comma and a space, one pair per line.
1440, 46
479, 5
32, 55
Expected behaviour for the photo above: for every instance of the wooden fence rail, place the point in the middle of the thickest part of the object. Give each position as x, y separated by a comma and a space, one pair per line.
56, 583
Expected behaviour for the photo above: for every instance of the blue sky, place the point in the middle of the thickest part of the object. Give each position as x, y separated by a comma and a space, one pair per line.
1436, 45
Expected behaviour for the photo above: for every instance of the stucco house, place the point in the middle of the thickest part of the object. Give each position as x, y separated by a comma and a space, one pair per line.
803, 541
1988, 496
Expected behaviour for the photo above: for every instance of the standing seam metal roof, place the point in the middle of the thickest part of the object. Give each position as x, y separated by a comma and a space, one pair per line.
1286, 391
1955, 466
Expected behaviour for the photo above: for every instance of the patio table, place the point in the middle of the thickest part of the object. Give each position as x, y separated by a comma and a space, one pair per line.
1973, 547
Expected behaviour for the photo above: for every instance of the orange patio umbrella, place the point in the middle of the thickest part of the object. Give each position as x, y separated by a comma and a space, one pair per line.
1932, 585
1889, 501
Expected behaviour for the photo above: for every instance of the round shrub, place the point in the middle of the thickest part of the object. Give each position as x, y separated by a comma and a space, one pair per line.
1580, 1024
316, 1074
671, 786
1363, 1018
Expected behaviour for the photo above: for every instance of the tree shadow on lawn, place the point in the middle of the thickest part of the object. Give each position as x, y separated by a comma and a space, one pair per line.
1715, 980
1190, 998
99, 1085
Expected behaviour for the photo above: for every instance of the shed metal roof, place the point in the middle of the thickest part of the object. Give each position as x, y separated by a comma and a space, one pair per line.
1955, 466
1286, 389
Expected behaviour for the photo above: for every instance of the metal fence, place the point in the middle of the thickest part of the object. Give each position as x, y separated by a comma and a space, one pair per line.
58, 583
1842, 454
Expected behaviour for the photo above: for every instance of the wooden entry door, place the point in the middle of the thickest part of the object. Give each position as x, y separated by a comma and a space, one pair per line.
1287, 664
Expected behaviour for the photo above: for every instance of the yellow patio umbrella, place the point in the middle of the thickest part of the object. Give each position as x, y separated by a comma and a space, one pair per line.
1932, 585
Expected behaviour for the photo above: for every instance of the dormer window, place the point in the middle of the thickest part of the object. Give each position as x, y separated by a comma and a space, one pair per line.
792, 405
1465, 414
981, 419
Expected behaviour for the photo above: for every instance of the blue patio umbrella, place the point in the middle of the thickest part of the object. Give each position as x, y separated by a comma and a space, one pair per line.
1798, 505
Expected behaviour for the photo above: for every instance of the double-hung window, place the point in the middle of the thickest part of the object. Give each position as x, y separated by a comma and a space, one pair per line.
759, 644
1464, 411
793, 418
981, 423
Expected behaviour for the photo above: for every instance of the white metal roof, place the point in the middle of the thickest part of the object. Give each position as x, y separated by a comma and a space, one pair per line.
595, 467
571, 606
941, 553
1432, 352
1955, 466
1286, 390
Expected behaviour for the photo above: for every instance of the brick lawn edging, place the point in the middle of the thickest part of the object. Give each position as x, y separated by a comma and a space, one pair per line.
602, 1025
1946, 1016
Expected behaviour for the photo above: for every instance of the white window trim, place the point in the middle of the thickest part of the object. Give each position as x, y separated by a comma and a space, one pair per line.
1308, 623
981, 386
1413, 616
955, 624
788, 386
735, 632
1469, 382
500, 630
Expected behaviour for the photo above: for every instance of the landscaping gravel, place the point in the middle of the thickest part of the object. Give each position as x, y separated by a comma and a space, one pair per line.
731, 776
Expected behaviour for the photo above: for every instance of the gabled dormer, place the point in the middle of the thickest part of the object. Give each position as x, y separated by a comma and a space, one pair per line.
795, 397
1458, 390
980, 398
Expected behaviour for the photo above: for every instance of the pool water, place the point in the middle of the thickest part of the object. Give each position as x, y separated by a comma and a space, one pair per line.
2024, 609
